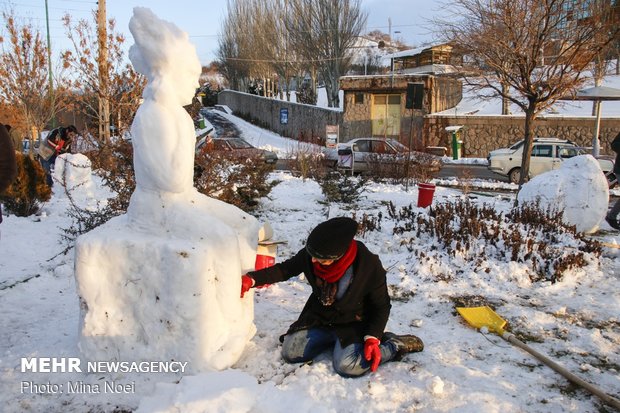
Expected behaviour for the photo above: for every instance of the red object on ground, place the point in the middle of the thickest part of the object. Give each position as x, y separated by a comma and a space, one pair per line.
425, 194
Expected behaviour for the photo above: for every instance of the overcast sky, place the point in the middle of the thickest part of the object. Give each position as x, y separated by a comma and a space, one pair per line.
202, 19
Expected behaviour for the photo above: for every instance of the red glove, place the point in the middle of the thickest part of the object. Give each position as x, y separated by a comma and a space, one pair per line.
246, 283
59, 146
372, 352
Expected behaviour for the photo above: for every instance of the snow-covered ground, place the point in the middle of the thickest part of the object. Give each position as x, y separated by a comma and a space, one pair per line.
574, 321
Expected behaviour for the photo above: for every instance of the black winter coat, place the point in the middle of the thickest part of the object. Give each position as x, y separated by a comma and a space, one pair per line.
615, 145
363, 310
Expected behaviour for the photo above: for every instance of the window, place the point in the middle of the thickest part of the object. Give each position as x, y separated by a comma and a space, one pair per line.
542, 151
381, 147
359, 98
362, 146
566, 152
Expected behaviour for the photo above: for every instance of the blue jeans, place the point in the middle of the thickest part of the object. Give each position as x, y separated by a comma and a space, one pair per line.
47, 166
349, 361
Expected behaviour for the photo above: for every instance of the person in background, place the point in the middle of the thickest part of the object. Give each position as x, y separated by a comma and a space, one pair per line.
8, 164
349, 306
612, 214
57, 142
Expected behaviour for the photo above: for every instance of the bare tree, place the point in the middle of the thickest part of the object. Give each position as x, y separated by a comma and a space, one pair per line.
508, 42
238, 53
24, 76
327, 33
124, 85
266, 38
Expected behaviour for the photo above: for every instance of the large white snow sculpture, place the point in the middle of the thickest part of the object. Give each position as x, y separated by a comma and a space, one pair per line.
578, 188
162, 282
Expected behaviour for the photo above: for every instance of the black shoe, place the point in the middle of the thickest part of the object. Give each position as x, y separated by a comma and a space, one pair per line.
613, 222
406, 343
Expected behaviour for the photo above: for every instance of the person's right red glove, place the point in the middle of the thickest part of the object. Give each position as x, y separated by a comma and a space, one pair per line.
372, 352
246, 283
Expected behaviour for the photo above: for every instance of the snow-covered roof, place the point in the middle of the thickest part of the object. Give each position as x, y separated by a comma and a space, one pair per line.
413, 52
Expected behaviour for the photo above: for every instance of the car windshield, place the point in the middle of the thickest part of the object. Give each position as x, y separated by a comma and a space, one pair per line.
517, 145
398, 146
238, 143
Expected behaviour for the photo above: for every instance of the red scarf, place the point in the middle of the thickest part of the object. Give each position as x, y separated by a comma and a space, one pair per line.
333, 272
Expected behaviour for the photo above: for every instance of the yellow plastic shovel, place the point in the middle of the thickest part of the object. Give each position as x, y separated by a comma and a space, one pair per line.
485, 317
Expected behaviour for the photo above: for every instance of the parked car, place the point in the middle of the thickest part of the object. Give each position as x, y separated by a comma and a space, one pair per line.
235, 147
369, 153
547, 154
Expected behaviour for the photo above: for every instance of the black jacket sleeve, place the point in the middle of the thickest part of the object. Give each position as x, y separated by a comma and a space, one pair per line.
8, 165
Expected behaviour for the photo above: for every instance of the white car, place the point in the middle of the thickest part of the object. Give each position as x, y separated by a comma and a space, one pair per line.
547, 154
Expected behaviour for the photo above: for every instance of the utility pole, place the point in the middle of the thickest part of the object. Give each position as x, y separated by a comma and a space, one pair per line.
49, 67
104, 103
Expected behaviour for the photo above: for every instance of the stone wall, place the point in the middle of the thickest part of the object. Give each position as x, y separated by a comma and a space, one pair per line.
482, 134
306, 123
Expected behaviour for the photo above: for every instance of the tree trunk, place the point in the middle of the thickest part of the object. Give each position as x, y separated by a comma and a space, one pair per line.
505, 101
527, 146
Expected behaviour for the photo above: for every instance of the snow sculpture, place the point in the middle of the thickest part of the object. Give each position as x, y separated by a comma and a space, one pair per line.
162, 282
578, 188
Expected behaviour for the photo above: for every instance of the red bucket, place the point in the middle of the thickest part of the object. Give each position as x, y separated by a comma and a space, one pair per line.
425, 194
264, 261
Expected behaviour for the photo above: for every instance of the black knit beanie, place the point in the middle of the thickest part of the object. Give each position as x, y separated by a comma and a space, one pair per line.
331, 239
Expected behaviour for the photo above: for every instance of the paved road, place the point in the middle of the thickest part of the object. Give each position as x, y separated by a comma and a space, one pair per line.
469, 171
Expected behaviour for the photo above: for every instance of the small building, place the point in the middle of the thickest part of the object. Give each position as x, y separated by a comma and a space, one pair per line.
434, 59
394, 106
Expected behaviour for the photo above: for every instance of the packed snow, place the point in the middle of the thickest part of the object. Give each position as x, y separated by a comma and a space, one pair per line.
162, 281
574, 321
578, 188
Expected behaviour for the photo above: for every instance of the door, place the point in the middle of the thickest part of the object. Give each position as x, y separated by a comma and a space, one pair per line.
385, 115
361, 150
541, 160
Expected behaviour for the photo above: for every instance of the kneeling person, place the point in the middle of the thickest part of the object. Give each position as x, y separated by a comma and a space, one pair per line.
349, 305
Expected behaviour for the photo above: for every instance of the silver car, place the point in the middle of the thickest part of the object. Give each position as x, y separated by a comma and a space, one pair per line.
365, 154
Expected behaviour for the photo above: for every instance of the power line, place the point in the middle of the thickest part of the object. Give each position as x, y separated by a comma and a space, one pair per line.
38, 6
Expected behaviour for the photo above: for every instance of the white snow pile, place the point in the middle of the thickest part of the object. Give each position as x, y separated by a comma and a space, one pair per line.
162, 282
225, 392
578, 188
74, 172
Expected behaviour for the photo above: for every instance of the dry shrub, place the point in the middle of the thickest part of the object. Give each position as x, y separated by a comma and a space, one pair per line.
308, 163
117, 174
29, 190
115, 166
234, 181
422, 167
477, 233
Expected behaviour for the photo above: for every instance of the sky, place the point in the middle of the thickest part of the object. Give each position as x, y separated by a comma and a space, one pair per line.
202, 19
